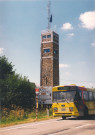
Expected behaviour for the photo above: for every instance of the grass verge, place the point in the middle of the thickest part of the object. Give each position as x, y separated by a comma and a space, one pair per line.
18, 116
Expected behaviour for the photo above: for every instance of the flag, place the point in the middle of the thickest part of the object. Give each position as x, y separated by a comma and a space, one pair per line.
51, 18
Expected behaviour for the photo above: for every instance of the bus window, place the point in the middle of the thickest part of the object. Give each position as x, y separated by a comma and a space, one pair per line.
85, 95
63, 96
67, 88
94, 96
80, 94
90, 95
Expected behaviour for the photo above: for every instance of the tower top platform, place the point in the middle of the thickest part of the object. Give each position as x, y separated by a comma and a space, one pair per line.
49, 36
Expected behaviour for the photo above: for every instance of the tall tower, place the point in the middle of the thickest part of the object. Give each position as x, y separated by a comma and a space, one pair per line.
49, 59
49, 75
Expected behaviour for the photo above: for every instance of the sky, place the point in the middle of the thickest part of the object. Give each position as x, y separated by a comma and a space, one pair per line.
21, 24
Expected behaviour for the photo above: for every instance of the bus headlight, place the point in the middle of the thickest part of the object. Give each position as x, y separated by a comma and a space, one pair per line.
71, 109
55, 109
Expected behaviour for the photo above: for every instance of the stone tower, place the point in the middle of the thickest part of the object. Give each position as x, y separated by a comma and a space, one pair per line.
49, 58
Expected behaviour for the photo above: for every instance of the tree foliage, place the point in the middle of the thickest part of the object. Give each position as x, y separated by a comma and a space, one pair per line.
15, 89
6, 68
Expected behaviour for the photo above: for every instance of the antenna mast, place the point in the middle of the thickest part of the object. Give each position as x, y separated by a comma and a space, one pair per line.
49, 15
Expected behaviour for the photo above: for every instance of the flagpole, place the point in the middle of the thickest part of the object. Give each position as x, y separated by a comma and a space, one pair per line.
49, 15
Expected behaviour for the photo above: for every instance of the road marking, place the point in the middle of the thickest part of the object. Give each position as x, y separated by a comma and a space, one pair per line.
83, 125
49, 134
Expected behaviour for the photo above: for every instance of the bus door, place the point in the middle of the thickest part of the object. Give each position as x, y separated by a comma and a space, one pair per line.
79, 102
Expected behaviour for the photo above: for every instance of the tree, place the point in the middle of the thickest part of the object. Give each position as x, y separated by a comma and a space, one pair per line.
6, 68
25, 94
14, 89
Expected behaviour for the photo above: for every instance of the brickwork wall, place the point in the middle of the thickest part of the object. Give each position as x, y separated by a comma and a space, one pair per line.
56, 65
49, 64
47, 72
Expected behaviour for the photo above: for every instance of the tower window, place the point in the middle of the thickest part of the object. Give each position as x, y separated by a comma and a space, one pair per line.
44, 37
46, 50
46, 81
55, 51
55, 38
48, 36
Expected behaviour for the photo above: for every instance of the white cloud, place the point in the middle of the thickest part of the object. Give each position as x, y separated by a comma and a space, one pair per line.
70, 34
67, 26
1, 50
88, 20
64, 65
93, 44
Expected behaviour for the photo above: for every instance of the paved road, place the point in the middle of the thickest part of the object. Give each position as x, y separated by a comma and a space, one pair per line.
53, 127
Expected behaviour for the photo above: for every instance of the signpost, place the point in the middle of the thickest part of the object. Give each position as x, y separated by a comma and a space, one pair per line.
37, 92
45, 95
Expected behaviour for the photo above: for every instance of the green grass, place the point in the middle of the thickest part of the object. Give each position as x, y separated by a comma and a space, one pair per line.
19, 116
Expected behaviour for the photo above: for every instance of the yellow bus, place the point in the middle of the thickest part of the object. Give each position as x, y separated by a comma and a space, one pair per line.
71, 100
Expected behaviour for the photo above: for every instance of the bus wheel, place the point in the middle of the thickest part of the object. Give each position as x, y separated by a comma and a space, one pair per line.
93, 116
63, 117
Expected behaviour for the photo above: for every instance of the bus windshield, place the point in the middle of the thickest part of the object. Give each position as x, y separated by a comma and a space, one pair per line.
64, 96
